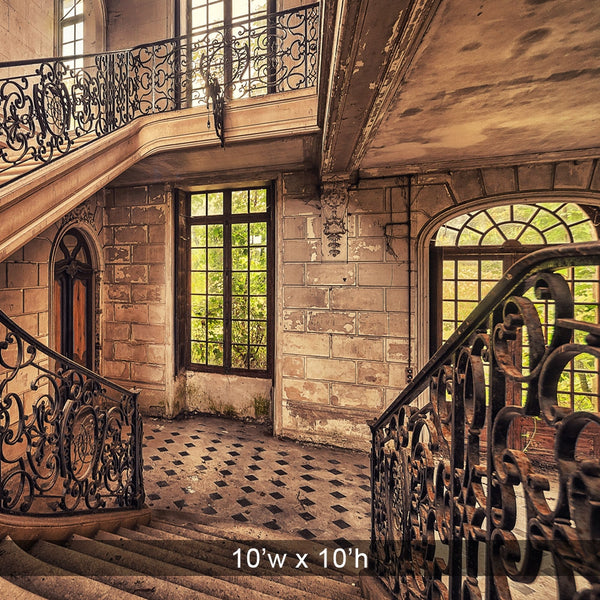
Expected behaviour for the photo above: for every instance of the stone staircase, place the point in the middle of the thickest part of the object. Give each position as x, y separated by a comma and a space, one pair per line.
172, 557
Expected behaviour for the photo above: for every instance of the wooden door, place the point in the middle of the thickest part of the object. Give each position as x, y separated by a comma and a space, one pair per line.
73, 299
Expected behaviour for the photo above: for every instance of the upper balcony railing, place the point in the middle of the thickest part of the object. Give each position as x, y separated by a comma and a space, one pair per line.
461, 506
54, 105
70, 440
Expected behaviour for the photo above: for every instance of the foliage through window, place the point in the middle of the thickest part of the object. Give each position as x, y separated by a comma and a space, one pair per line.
472, 251
230, 297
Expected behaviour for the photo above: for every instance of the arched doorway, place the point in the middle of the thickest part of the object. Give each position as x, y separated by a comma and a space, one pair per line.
468, 255
74, 298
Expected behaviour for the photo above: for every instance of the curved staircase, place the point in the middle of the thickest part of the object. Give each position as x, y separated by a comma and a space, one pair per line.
173, 556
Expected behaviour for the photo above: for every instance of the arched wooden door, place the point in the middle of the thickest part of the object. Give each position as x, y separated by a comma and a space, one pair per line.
74, 279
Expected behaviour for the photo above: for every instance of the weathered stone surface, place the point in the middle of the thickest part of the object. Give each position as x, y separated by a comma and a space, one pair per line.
147, 293
305, 391
373, 373
330, 369
331, 322
356, 347
292, 366
363, 299
294, 320
146, 215
535, 177
301, 251
396, 350
121, 292
294, 206
366, 249
118, 216
373, 323
147, 333
467, 185
366, 201
360, 396
499, 180
11, 301
21, 275
376, 275
148, 372
294, 228
149, 253
330, 274
293, 274
310, 344
117, 254
398, 324
306, 297
116, 369
131, 313
396, 299
38, 250
131, 234
131, 274
118, 331
35, 300
573, 174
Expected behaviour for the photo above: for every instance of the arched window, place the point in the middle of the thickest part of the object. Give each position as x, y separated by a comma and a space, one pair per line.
469, 254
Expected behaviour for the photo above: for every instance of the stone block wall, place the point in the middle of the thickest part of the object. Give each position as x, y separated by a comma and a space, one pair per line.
138, 295
343, 337
26, 29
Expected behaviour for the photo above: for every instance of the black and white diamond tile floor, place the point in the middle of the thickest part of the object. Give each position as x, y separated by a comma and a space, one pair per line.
237, 472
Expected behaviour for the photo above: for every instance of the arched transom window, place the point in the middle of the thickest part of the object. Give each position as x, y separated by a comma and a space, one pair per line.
470, 253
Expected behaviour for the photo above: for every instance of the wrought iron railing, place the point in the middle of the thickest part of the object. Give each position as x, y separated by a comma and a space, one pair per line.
461, 507
70, 440
44, 114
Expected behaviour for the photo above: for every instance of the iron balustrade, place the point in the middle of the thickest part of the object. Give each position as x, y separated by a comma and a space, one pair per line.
459, 508
62, 105
70, 440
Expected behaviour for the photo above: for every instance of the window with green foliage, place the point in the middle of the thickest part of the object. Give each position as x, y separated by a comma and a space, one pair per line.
471, 252
230, 291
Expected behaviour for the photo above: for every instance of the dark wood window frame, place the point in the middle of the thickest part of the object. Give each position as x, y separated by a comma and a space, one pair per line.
183, 292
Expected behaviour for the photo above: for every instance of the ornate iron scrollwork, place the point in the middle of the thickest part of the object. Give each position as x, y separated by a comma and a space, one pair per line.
485, 516
45, 114
70, 441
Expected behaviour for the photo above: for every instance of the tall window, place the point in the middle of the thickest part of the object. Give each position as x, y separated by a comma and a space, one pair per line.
471, 252
229, 43
230, 260
70, 29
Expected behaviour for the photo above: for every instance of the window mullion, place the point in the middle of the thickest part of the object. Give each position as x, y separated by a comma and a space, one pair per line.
227, 280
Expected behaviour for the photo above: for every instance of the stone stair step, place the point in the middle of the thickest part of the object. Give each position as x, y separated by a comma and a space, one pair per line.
49, 581
219, 565
155, 561
277, 586
14, 592
202, 532
114, 575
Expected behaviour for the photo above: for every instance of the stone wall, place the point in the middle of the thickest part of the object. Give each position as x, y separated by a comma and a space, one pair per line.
343, 338
26, 29
138, 294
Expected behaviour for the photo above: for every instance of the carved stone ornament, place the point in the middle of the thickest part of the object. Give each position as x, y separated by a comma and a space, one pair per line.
334, 212
85, 212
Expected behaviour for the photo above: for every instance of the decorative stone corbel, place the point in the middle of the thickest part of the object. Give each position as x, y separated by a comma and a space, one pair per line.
334, 215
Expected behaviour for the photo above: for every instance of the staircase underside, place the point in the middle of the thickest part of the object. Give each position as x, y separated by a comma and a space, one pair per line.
257, 137
174, 557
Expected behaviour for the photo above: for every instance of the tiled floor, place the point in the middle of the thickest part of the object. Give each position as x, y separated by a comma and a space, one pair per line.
235, 473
